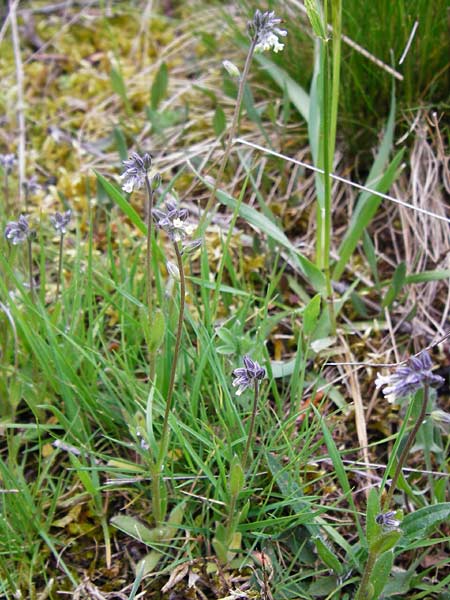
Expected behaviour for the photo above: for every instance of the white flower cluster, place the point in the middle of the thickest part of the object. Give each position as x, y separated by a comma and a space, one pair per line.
265, 31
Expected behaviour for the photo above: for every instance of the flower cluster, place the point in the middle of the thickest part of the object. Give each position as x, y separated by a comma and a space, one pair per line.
61, 221
265, 31
19, 231
409, 378
174, 221
388, 520
136, 171
246, 375
7, 161
31, 185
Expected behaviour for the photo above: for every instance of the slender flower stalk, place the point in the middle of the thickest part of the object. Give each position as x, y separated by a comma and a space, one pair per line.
263, 31
134, 177
406, 380
174, 223
60, 223
250, 374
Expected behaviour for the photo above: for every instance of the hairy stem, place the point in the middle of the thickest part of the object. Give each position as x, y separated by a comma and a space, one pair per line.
252, 425
363, 592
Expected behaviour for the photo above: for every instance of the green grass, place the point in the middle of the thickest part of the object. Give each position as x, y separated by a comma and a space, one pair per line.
80, 420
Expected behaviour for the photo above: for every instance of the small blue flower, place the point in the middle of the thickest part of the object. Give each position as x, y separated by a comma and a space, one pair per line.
409, 378
61, 221
174, 221
7, 161
17, 232
388, 520
265, 31
136, 171
246, 375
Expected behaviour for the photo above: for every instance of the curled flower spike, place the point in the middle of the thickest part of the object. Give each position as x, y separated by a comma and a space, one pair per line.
246, 375
7, 161
265, 31
388, 519
17, 232
174, 221
136, 171
61, 221
408, 378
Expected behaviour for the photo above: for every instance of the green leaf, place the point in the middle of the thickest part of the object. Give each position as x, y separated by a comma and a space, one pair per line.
386, 541
219, 121
426, 276
159, 87
149, 562
311, 315
328, 557
417, 524
396, 286
380, 574
115, 195
138, 530
373, 509
236, 476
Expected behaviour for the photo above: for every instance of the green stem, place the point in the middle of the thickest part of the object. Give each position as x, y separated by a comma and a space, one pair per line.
30, 267
363, 592
156, 479
231, 135
60, 260
148, 255
406, 449
252, 426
